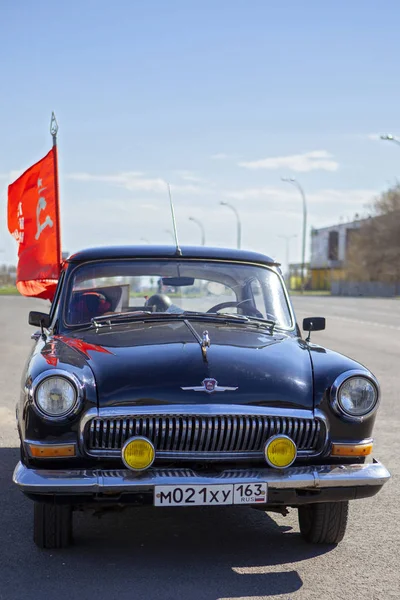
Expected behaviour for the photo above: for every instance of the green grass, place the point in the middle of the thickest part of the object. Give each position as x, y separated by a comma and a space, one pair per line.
169, 294
310, 293
9, 290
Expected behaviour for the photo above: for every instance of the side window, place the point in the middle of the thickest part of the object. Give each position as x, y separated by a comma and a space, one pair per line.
258, 296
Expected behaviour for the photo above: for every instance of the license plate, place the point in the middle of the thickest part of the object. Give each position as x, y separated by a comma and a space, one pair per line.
201, 495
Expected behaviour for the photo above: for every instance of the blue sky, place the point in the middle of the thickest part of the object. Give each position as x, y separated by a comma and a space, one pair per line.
220, 98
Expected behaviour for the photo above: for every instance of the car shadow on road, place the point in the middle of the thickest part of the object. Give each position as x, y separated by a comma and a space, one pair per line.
195, 553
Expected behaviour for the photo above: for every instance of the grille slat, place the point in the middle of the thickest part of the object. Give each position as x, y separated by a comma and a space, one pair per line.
239, 432
202, 432
301, 433
97, 438
170, 435
307, 434
228, 435
175, 439
196, 434
117, 434
150, 427
260, 430
163, 430
246, 432
221, 432
183, 436
316, 433
272, 430
295, 429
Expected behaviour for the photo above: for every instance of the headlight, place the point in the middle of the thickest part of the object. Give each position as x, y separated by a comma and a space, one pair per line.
355, 396
56, 396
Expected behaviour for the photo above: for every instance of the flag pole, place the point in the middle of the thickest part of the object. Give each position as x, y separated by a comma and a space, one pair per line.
53, 132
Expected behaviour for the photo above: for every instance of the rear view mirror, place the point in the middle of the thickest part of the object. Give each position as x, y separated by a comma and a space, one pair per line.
177, 281
314, 324
39, 319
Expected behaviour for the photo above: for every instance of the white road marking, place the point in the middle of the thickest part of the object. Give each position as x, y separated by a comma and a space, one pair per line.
360, 321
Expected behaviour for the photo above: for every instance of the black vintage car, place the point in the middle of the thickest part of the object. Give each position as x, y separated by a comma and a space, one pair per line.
181, 378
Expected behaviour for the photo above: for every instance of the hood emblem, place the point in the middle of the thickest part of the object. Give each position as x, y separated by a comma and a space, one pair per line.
209, 386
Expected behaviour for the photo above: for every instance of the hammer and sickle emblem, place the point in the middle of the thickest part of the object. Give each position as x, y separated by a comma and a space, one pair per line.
41, 205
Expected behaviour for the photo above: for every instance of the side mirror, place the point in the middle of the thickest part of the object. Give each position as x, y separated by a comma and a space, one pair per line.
39, 319
313, 324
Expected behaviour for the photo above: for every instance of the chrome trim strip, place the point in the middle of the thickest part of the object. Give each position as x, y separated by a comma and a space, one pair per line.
339, 381
96, 481
362, 442
201, 409
322, 417
193, 455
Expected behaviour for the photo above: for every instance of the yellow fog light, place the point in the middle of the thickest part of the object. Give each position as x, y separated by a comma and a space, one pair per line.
138, 453
280, 451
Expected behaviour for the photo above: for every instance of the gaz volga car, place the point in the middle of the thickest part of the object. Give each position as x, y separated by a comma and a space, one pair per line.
180, 378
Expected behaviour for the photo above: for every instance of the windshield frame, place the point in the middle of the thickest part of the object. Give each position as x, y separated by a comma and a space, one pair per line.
75, 266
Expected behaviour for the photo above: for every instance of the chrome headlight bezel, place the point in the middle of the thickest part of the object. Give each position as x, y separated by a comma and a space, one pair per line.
335, 395
72, 380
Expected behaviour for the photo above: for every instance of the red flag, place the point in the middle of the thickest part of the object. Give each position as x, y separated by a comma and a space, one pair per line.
33, 219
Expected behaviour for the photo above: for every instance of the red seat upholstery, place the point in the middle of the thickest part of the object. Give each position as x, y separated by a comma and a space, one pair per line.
87, 305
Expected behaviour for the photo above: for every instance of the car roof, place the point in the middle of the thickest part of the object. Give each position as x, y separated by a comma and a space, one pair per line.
153, 251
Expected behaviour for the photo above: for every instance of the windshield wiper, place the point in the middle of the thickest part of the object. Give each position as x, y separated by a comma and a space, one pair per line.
220, 316
144, 315
136, 315
148, 315
263, 322
234, 318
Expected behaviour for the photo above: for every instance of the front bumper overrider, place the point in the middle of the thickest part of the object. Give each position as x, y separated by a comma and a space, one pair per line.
295, 485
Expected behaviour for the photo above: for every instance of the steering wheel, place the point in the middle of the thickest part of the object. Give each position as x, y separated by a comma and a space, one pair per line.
251, 308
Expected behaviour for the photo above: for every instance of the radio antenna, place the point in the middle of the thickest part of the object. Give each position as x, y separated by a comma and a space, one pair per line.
178, 250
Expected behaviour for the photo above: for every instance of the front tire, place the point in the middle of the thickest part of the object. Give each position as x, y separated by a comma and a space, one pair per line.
323, 523
52, 525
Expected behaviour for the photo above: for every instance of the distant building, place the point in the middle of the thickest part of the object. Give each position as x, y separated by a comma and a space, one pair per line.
293, 278
329, 247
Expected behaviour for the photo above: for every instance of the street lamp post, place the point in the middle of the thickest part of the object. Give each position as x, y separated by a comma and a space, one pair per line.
390, 138
287, 239
203, 233
297, 185
239, 224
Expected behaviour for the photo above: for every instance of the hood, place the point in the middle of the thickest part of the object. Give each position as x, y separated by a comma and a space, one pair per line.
150, 363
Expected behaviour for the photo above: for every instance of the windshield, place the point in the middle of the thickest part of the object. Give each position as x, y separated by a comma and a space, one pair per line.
176, 286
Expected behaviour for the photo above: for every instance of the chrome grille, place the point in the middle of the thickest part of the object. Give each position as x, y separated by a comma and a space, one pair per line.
203, 436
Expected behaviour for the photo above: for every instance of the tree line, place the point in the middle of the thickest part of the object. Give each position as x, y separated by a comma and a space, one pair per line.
373, 252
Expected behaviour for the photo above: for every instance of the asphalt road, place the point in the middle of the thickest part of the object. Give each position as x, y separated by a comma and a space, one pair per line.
209, 554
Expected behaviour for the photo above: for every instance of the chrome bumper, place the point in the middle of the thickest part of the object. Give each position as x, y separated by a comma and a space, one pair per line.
98, 481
